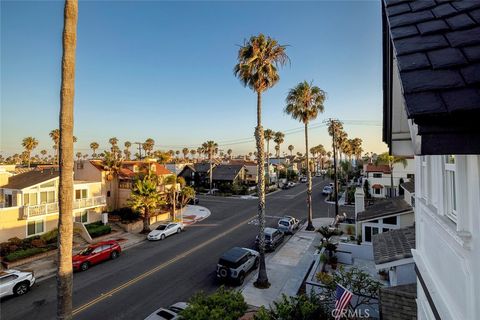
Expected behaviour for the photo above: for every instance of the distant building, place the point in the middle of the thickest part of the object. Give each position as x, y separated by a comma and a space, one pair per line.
379, 177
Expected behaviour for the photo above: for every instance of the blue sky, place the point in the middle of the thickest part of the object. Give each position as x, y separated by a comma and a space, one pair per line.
164, 70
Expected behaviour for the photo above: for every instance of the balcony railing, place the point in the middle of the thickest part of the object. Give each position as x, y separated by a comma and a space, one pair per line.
47, 208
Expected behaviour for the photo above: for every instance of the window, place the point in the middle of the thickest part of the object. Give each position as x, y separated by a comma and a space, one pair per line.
450, 188
81, 217
7, 279
410, 176
377, 175
425, 181
377, 191
368, 234
385, 230
35, 227
391, 220
30, 199
80, 194
47, 197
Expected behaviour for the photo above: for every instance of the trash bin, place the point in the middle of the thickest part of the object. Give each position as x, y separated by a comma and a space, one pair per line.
105, 218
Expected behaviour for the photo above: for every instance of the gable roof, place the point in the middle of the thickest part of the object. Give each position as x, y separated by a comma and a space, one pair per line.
203, 167
393, 245
226, 172
385, 207
30, 178
399, 302
380, 168
437, 46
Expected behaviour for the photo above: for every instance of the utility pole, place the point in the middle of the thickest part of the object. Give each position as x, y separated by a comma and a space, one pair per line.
139, 149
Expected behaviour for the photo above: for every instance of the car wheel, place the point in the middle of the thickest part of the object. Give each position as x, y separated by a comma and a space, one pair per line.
162, 237
114, 255
20, 289
179, 230
84, 266
241, 278
223, 272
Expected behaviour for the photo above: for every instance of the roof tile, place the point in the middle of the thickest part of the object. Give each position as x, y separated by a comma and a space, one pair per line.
420, 5
472, 53
471, 74
464, 37
444, 10
475, 14
420, 43
433, 26
394, 2
462, 99
413, 61
410, 18
424, 80
447, 57
461, 21
424, 103
403, 32
398, 9
466, 4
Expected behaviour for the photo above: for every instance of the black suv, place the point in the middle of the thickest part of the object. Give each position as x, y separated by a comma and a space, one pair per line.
235, 263
273, 238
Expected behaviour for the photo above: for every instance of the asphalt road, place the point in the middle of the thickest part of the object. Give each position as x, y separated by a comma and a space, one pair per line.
155, 274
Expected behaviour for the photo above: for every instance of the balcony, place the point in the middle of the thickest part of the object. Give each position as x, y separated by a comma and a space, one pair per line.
49, 208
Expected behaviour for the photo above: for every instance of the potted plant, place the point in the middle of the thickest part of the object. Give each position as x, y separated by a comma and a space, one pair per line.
383, 274
323, 260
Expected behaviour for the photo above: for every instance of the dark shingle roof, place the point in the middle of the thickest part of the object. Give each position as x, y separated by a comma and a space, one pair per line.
384, 207
409, 186
437, 46
31, 178
202, 167
398, 303
226, 172
393, 245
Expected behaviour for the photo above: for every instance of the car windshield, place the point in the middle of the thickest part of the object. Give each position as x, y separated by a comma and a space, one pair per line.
164, 314
267, 237
284, 223
86, 251
161, 227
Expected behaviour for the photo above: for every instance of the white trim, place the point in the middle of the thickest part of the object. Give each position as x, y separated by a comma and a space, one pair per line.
395, 263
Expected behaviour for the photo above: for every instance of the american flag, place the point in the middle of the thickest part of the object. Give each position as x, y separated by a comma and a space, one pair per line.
343, 299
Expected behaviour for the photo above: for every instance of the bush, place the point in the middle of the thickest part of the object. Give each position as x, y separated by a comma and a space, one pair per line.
223, 304
97, 229
50, 236
20, 254
127, 214
38, 243
292, 308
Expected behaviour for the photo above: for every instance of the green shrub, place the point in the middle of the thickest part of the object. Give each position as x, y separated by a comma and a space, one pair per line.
292, 308
223, 304
97, 229
20, 254
50, 236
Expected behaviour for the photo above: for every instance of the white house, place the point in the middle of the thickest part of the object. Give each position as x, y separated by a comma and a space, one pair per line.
379, 177
431, 76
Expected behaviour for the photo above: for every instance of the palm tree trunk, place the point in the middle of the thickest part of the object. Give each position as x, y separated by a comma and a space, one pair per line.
268, 163
146, 220
309, 184
262, 280
28, 160
210, 172
65, 221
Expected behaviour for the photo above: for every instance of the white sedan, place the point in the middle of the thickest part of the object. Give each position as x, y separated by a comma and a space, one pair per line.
170, 313
14, 282
165, 230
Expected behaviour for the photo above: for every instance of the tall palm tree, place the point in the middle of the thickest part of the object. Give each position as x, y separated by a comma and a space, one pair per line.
304, 102
112, 165
29, 143
127, 152
43, 153
185, 152
148, 146
209, 148
79, 155
269, 134
258, 60
290, 148
94, 146
229, 152
279, 139
55, 135
65, 194
389, 160
193, 152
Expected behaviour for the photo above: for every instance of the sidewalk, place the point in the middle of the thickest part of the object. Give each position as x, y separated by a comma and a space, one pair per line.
286, 268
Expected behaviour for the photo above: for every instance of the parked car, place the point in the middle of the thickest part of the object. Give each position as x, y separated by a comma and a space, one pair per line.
165, 230
96, 253
170, 313
327, 190
194, 201
291, 184
286, 186
273, 238
288, 224
213, 191
318, 174
236, 263
303, 179
15, 282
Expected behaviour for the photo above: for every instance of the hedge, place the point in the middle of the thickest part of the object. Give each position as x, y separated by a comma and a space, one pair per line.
97, 229
20, 254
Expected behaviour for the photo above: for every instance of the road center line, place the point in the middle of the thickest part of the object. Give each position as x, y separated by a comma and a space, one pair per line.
161, 266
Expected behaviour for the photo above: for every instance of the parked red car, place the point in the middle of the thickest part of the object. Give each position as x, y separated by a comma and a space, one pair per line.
96, 253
